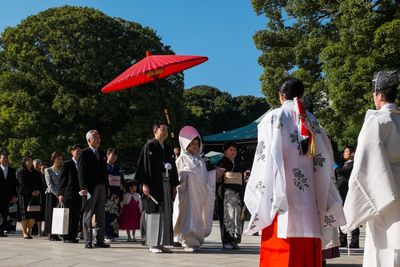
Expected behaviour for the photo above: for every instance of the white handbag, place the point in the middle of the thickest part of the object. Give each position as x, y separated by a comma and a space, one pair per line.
60, 220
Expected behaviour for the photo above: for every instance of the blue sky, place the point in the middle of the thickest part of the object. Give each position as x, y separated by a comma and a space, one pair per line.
220, 29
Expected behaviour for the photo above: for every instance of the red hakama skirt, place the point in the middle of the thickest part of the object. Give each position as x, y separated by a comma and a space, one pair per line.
290, 252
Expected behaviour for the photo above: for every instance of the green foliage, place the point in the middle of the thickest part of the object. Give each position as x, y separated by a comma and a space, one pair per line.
334, 47
368, 37
211, 111
52, 67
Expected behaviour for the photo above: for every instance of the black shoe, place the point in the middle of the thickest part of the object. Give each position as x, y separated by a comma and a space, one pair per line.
2, 234
54, 238
71, 241
28, 237
35, 229
177, 245
323, 262
88, 245
101, 245
235, 246
354, 245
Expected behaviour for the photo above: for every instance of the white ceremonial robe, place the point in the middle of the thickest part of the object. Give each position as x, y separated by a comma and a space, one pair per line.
374, 186
194, 204
296, 188
330, 237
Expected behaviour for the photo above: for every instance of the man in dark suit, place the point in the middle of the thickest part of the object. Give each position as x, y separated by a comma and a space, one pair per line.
8, 190
93, 182
69, 193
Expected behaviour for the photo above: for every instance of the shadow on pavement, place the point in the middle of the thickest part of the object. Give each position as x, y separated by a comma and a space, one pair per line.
208, 250
343, 265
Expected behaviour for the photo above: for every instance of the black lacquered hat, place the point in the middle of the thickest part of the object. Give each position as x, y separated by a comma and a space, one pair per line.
382, 80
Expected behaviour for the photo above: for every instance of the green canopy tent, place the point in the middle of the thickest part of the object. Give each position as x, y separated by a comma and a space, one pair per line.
214, 157
245, 137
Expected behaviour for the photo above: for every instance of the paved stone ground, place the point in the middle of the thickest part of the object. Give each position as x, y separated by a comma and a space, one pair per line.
16, 251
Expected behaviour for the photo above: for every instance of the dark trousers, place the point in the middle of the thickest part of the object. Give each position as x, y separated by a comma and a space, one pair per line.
74, 205
51, 203
143, 227
355, 236
3, 216
94, 206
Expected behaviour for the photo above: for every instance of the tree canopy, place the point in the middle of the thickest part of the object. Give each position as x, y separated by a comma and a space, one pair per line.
334, 47
212, 111
52, 67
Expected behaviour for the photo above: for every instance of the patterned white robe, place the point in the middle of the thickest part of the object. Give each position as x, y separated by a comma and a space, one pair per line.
298, 188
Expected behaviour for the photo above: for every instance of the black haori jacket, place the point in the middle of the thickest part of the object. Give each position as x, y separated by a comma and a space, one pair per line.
150, 172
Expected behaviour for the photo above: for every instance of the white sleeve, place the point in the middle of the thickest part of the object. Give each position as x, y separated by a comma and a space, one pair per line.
372, 185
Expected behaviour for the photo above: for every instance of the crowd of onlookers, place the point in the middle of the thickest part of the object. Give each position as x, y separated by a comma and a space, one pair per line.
29, 194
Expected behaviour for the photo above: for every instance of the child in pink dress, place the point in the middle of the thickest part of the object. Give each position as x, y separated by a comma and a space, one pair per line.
129, 218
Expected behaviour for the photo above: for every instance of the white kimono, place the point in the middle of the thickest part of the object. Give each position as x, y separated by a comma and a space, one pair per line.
297, 188
194, 204
374, 187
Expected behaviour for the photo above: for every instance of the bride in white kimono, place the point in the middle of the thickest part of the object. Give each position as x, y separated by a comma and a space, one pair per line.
194, 204
374, 184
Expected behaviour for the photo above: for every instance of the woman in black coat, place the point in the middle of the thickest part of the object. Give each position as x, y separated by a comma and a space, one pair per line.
342, 174
28, 195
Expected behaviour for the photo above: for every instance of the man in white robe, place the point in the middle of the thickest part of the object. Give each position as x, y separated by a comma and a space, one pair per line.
290, 193
194, 204
374, 184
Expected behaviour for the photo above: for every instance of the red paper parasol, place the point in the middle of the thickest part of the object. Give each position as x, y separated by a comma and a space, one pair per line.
150, 69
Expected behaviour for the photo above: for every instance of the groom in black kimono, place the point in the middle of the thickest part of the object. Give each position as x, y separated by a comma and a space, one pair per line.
158, 175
